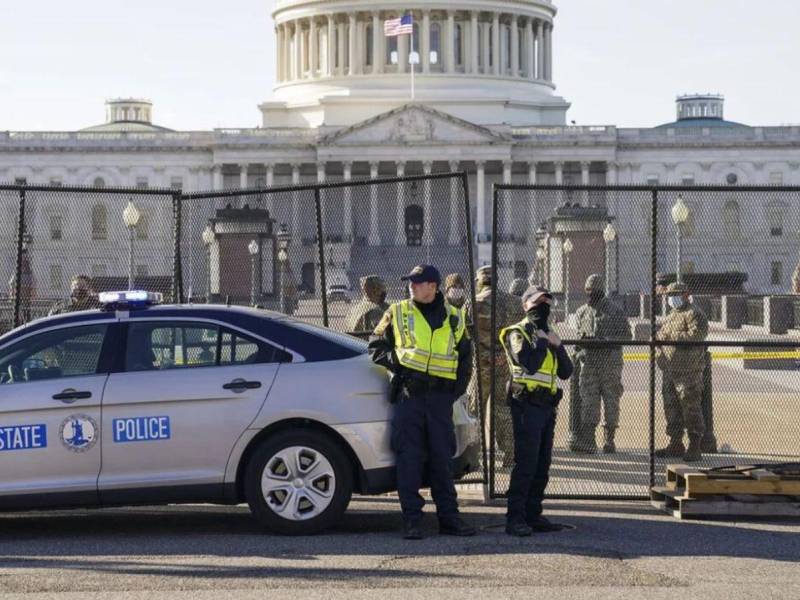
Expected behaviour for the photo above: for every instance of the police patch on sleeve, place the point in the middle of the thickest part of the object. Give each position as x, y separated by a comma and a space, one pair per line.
78, 433
23, 437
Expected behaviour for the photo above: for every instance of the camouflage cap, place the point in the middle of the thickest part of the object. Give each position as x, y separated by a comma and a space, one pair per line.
484, 274
676, 288
535, 292
453, 280
372, 284
594, 283
518, 287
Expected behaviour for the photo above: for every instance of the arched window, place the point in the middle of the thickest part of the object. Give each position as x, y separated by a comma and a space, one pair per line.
776, 216
459, 45
367, 45
731, 219
99, 182
99, 222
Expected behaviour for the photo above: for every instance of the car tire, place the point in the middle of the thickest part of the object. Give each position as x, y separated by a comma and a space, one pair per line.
298, 482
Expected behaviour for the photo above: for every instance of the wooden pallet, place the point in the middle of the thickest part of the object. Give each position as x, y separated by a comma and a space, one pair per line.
695, 493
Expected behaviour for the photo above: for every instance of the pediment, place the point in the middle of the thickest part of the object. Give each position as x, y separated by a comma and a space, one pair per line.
413, 124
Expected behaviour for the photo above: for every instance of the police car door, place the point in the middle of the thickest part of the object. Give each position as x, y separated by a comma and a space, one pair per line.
51, 386
188, 391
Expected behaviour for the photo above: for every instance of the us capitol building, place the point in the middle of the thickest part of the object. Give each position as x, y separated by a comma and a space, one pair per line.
485, 103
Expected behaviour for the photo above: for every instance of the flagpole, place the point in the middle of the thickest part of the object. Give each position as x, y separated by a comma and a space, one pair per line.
411, 60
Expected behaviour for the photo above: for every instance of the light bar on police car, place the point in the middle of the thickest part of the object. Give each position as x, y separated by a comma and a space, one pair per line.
130, 298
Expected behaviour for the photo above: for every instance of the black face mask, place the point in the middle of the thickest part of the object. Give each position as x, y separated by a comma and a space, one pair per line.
539, 315
382, 298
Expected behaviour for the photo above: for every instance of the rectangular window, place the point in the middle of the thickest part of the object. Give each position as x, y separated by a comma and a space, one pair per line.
776, 273
652, 180
142, 183
20, 181
56, 227
160, 347
176, 183
56, 277
56, 181
776, 178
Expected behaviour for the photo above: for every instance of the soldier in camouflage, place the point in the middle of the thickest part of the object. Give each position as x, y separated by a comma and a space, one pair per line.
601, 368
508, 312
682, 368
455, 291
81, 297
365, 316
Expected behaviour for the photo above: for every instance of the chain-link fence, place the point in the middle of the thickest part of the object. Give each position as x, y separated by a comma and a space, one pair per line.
718, 367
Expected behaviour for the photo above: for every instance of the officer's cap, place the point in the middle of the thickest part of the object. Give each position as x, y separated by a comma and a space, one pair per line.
535, 292
594, 283
423, 274
453, 280
676, 289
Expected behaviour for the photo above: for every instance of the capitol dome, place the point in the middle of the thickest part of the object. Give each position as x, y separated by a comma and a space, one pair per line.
489, 62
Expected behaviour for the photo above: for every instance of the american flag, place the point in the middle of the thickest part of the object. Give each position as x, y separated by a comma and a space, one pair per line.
400, 26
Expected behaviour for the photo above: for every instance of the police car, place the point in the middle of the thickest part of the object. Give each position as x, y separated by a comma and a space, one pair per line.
142, 403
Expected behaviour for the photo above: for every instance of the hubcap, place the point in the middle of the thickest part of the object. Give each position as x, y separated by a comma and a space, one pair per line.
298, 483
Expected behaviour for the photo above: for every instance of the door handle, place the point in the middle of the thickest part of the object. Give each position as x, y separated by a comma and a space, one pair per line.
240, 385
69, 396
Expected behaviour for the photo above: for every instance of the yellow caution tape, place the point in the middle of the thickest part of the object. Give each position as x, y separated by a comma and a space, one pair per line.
795, 354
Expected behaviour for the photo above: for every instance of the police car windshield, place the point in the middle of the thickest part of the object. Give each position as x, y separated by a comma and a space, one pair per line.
351, 343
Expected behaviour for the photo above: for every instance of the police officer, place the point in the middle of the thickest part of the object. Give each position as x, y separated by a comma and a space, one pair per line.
536, 359
682, 366
365, 316
600, 376
424, 343
81, 297
508, 312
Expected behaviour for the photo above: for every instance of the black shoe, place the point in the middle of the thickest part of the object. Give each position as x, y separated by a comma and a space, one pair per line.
543, 525
412, 530
518, 529
455, 526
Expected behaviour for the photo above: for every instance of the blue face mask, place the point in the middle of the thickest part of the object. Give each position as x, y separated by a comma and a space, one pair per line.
675, 301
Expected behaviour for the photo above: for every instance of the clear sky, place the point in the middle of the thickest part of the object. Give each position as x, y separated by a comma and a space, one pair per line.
209, 64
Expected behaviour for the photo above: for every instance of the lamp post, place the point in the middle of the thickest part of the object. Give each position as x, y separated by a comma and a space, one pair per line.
609, 235
680, 215
131, 216
568, 248
253, 249
208, 237
283, 238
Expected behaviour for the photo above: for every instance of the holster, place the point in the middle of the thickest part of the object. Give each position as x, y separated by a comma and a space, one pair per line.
537, 397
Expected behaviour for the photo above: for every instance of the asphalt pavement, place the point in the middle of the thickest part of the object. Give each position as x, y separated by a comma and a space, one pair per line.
616, 550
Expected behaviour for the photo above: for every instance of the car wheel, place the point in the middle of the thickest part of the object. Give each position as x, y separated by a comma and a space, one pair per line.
298, 482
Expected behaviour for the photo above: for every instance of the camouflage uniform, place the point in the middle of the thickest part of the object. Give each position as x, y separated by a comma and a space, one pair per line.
509, 311
367, 313
452, 282
683, 368
601, 368
82, 297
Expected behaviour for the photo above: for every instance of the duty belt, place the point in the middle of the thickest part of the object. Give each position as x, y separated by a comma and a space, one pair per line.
418, 383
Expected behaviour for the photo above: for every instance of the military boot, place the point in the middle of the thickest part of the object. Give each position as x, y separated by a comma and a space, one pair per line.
609, 447
674, 448
693, 452
585, 443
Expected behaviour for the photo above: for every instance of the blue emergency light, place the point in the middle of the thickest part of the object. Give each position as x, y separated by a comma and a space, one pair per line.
129, 299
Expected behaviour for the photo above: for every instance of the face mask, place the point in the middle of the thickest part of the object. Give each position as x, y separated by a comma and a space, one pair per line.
675, 301
539, 314
456, 295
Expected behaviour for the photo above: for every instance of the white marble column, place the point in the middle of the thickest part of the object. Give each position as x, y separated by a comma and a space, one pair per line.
340, 45
507, 224
540, 51
480, 184
295, 224
427, 234
507, 164
530, 50
374, 232
559, 166
496, 43
352, 31
321, 172
377, 46
533, 212
330, 65
548, 61
454, 238
216, 174
279, 51
402, 53
474, 45
487, 57
298, 51
514, 46
313, 45
303, 52
450, 41
425, 46
611, 179
347, 213
243, 176
585, 181
400, 233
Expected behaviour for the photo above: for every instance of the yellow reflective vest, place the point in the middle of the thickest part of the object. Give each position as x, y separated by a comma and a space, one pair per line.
545, 377
422, 350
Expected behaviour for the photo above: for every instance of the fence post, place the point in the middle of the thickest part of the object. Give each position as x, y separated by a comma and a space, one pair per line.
18, 271
492, 350
323, 283
177, 268
653, 270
